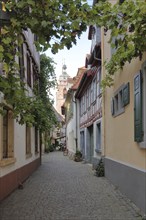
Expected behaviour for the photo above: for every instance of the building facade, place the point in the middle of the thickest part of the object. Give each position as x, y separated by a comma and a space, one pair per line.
90, 102
20, 148
64, 83
72, 116
125, 129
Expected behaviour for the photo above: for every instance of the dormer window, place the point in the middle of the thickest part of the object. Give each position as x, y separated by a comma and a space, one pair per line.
91, 32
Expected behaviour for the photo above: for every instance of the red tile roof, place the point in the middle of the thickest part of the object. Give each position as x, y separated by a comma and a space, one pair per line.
78, 78
70, 80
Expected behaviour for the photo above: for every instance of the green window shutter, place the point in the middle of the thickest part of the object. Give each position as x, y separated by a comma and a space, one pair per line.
138, 127
126, 95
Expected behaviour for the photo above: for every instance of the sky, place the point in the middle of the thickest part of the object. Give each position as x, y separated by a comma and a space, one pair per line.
73, 58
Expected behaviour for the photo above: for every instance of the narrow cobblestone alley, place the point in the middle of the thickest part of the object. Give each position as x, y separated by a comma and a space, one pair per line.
62, 189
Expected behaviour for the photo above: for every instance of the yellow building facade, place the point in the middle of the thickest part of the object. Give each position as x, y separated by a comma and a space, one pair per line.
124, 128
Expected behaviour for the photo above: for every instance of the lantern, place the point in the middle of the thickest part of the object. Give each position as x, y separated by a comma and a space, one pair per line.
4, 15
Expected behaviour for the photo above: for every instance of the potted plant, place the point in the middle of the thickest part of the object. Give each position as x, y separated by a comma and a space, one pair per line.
78, 156
100, 168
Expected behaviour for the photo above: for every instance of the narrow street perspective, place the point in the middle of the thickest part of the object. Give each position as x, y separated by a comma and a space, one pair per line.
62, 189
73, 110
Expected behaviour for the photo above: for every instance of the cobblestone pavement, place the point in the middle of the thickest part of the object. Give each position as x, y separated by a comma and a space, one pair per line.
62, 189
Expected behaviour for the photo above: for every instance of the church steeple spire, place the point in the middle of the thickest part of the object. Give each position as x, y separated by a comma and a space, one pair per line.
64, 83
64, 74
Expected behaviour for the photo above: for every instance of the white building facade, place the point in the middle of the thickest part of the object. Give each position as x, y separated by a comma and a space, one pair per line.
20, 147
71, 115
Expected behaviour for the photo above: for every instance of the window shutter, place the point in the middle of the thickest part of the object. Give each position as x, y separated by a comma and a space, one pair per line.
138, 128
126, 95
112, 106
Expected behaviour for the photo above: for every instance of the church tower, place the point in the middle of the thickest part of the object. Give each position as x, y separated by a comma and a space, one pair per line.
64, 83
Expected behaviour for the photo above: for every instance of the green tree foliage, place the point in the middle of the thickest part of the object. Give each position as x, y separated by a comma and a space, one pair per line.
36, 110
45, 115
47, 76
126, 22
58, 24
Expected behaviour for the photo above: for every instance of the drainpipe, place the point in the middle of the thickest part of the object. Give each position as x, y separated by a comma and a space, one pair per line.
76, 139
76, 128
103, 98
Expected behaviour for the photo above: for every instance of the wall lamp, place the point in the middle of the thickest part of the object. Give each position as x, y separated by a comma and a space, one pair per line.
4, 15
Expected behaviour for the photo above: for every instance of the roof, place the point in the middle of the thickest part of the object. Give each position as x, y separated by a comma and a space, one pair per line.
78, 78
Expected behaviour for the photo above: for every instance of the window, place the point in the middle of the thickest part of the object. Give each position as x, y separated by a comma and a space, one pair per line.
98, 137
64, 96
64, 93
85, 101
121, 1
120, 100
21, 61
28, 140
91, 92
82, 105
89, 96
114, 43
35, 76
63, 110
117, 103
35, 37
8, 134
99, 82
94, 89
28, 70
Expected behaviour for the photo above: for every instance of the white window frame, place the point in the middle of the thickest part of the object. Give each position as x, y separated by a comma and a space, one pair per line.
118, 106
97, 149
